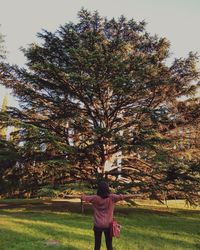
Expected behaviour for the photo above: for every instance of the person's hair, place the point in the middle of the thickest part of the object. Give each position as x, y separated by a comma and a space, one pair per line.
103, 189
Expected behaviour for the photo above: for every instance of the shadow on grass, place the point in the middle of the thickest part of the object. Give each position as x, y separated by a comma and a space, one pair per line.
130, 236
148, 241
15, 240
143, 227
68, 206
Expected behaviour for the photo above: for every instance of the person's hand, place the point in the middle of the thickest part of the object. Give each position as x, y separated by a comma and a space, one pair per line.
128, 196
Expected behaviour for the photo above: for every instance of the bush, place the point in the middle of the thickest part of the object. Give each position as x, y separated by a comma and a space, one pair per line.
48, 191
74, 189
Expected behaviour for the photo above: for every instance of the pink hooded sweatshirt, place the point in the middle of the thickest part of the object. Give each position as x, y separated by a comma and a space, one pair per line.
103, 208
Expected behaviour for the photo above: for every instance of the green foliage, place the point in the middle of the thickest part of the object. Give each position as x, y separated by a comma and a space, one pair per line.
64, 190
95, 89
47, 191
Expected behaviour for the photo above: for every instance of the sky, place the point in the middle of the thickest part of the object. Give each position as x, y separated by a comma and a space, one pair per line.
21, 20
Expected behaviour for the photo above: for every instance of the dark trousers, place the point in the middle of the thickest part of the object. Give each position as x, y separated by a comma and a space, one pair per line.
98, 235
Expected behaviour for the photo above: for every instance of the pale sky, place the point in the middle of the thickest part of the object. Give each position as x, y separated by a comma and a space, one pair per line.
177, 20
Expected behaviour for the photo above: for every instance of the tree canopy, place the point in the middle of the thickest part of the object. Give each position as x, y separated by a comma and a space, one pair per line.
97, 89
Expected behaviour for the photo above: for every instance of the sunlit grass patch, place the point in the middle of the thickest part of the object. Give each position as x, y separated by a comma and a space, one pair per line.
37, 228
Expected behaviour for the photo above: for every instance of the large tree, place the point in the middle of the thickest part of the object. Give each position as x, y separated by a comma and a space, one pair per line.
97, 89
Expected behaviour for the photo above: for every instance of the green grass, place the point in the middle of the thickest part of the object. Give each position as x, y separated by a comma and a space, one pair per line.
31, 225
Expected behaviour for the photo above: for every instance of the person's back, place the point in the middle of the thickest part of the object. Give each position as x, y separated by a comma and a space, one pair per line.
103, 204
103, 208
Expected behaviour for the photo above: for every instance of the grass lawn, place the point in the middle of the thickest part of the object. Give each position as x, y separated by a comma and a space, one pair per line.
38, 225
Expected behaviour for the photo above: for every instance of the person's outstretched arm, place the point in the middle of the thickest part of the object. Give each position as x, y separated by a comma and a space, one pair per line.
120, 197
128, 196
88, 198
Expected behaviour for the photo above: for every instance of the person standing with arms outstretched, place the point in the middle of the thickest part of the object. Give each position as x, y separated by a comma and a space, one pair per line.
103, 204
